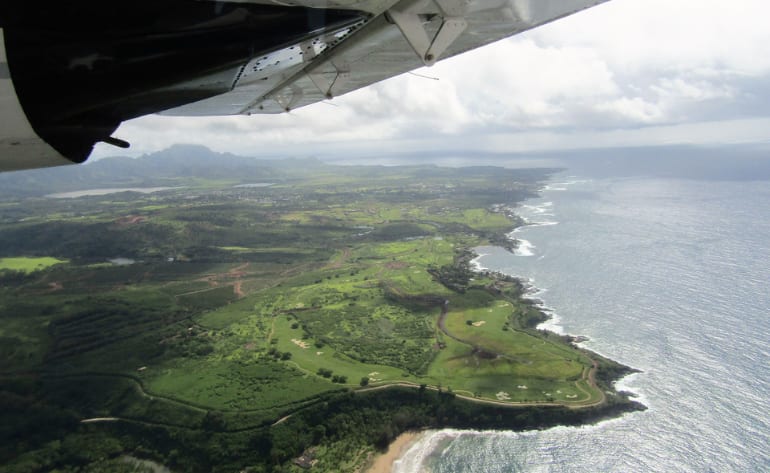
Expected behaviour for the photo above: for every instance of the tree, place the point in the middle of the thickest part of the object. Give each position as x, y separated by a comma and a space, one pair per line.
326, 373
365, 381
214, 421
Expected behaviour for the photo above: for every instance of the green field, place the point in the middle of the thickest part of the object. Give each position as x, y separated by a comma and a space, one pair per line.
29, 264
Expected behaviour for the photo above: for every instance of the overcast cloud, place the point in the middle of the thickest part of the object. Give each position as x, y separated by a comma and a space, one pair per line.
625, 73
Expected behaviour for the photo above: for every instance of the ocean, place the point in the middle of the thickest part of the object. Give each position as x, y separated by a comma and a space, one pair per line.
667, 275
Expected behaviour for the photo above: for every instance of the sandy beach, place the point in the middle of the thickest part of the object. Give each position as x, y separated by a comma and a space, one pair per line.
383, 463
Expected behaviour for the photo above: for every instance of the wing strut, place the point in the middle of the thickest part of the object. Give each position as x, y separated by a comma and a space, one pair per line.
412, 18
326, 86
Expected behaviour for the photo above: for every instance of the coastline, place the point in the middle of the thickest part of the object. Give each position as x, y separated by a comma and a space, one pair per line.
549, 322
530, 292
383, 462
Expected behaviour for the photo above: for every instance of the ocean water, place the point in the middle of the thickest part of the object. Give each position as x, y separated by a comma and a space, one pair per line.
669, 276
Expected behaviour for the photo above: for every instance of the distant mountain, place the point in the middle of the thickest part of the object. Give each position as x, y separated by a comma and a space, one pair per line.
172, 166
181, 164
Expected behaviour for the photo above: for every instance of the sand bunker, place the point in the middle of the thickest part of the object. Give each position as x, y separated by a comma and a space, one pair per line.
300, 343
479, 323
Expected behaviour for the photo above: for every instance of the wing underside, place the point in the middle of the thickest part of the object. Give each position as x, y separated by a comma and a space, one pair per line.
80, 68
397, 37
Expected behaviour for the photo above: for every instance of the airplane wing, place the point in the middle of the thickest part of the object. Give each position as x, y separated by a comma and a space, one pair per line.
71, 72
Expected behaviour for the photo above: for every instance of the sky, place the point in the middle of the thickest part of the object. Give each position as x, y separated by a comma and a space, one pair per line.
624, 73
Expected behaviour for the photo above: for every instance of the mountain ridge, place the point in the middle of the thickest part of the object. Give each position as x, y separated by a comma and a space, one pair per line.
171, 166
